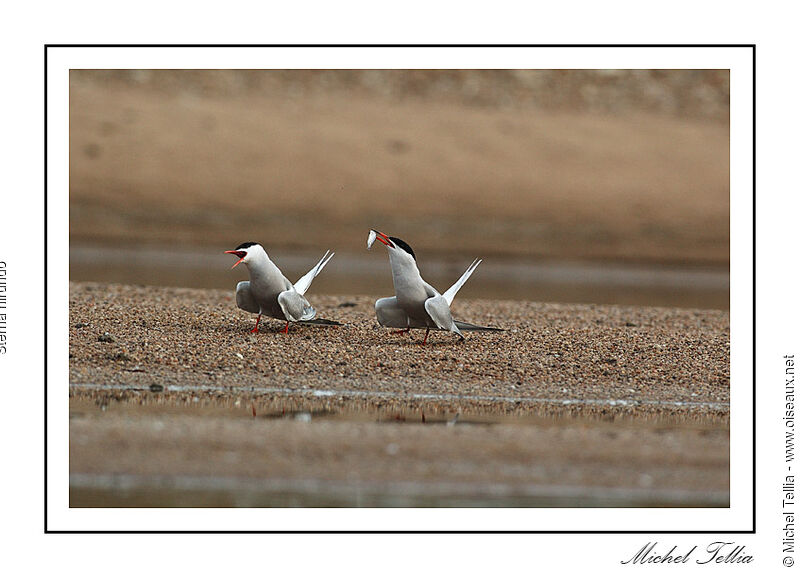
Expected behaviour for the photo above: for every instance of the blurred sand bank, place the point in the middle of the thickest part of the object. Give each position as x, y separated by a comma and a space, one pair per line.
626, 166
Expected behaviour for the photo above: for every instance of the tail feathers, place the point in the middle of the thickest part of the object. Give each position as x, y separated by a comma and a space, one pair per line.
464, 326
324, 322
450, 294
304, 282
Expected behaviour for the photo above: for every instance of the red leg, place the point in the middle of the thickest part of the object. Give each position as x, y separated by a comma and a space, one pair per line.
286, 329
255, 329
428, 330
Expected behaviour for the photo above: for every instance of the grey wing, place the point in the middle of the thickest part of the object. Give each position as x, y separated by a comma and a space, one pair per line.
295, 307
390, 314
244, 298
439, 312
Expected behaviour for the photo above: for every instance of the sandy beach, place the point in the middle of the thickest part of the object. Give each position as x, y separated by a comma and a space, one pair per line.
571, 404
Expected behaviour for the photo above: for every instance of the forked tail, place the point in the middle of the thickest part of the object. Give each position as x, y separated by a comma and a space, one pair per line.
304, 282
450, 294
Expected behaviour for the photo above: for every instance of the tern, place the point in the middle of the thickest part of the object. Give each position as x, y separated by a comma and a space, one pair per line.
418, 305
270, 293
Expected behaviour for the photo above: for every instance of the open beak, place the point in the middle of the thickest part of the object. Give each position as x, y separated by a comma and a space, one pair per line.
383, 239
240, 254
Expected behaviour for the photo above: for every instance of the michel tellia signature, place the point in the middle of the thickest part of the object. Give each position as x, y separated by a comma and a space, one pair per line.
714, 553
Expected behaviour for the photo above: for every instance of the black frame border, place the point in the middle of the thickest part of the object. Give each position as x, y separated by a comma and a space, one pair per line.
753, 49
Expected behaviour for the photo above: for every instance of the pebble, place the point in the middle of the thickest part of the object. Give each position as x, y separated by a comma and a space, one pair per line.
560, 348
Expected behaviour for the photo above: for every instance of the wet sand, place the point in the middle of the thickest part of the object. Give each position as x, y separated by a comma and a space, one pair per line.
572, 405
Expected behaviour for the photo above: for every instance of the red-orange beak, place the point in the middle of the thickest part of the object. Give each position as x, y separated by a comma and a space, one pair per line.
383, 239
240, 254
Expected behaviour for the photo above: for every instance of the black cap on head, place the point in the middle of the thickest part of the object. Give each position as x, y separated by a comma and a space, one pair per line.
246, 245
404, 246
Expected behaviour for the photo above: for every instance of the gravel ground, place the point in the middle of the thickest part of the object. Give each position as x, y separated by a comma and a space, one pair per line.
548, 355
174, 403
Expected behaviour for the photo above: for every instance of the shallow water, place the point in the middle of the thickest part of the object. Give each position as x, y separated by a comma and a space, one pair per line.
319, 408
368, 274
126, 491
